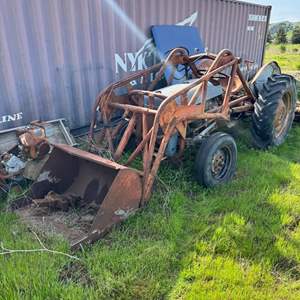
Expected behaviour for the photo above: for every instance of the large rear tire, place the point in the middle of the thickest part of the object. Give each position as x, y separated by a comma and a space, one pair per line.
274, 111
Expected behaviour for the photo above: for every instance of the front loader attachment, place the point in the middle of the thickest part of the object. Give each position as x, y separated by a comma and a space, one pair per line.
81, 195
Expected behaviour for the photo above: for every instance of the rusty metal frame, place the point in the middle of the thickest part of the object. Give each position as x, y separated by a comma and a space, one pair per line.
113, 188
170, 115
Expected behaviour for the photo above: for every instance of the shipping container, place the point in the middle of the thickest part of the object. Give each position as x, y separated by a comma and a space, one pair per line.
55, 56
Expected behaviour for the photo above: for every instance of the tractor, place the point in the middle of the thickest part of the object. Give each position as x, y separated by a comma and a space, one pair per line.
149, 117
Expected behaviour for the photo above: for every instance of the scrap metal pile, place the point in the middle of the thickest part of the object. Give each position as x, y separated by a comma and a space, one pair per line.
24, 150
31, 145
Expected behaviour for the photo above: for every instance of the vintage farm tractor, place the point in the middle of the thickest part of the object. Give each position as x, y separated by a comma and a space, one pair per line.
156, 119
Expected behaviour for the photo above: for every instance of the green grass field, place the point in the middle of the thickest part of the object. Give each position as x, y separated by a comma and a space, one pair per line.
238, 241
289, 60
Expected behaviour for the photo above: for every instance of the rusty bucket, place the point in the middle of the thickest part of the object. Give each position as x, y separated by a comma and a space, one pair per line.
81, 195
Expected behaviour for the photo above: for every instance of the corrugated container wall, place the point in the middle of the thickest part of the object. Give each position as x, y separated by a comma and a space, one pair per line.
55, 56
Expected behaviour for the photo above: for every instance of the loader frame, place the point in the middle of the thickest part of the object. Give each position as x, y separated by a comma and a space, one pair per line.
147, 122
150, 108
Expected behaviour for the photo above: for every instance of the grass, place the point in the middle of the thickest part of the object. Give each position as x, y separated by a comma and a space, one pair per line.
289, 60
237, 241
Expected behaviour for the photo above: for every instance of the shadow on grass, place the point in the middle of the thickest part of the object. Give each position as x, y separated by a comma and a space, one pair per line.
250, 228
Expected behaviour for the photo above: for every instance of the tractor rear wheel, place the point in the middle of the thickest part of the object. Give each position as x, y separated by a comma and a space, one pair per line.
274, 111
216, 160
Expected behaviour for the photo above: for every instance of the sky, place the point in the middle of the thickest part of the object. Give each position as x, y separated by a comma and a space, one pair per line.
282, 10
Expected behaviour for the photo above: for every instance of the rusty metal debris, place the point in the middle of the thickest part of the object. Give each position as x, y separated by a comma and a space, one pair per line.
34, 143
56, 132
11, 166
24, 150
153, 120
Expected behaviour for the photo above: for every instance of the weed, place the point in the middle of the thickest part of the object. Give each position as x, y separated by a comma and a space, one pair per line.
282, 48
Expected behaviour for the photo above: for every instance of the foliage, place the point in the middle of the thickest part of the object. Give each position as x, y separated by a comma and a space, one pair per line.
273, 28
282, 48
296, 35
281, 36
288, 27
269, 37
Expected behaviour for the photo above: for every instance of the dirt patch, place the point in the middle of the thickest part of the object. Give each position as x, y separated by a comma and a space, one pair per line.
66, 215
296, 74
288, 266
75, 272
294, 224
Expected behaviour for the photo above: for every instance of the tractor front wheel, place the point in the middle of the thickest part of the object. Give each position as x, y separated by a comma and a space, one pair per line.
216, 160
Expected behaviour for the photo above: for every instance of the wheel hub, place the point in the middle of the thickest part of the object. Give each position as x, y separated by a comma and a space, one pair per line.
281, 116
218, 162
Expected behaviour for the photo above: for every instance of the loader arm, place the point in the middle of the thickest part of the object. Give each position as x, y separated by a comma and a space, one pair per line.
172, 114
157, 116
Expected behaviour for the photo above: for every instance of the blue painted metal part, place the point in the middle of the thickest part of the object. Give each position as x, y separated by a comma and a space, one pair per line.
168, 37
172, 145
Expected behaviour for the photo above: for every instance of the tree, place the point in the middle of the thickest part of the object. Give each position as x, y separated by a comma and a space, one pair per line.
296, 35
281, 36
269, 37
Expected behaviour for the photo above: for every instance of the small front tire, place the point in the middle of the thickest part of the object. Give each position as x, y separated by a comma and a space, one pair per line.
216, 160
